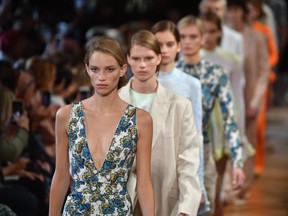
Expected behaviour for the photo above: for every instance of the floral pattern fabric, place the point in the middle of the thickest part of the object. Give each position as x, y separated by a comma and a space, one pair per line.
215, 84
103, 191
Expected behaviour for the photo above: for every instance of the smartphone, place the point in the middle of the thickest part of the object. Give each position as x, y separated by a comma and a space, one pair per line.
46, 98
84, 92
17, 107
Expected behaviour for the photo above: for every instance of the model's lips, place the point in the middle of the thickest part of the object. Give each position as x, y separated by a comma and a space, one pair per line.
186, 48
101, 85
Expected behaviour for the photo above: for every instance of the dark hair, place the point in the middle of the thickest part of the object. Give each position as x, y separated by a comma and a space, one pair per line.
63, 74
109, 46
166, 25
211, 17
146, 39
9, 76
238, 3
258, 4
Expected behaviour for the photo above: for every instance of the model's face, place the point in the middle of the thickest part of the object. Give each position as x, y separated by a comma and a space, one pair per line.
143, 62
211, 35
104, 73
235, 15
253, 12
169, 47
191, 40
216, 7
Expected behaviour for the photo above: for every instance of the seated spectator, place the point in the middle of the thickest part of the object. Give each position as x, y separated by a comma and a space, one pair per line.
13, 140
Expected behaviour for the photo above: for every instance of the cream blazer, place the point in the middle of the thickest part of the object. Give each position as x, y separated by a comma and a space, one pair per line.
175, 154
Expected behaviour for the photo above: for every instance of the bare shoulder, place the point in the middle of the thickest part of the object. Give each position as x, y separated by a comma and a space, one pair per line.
63, 113
144, 119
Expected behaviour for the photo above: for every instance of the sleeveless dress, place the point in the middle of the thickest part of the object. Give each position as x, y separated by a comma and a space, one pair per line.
104, 191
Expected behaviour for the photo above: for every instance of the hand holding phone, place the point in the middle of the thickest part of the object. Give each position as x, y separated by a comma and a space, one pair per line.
17, 107
17, 110
46, 98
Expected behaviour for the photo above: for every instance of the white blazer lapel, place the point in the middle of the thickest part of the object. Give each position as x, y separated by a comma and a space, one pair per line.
124, 92
159, 112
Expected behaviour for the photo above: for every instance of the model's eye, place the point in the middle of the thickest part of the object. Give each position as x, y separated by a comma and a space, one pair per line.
149, 58
136, 59
94, 69
193, 37
110, 69
170, 45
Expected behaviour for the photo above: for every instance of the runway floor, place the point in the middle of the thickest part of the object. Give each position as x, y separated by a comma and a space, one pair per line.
269, 194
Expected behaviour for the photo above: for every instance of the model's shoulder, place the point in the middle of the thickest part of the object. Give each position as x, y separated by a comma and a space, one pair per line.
177, 99
187, 77
216, 69
64, 112
143, 117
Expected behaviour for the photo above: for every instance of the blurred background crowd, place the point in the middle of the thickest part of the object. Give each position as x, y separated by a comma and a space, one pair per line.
42, 46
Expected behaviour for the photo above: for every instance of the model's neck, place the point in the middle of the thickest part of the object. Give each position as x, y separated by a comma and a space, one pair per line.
167, 67
106, 103
192, 59
238, 26
210, 49
145, 87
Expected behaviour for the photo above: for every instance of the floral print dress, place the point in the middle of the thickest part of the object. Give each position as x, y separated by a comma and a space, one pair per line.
215, 85
104, 191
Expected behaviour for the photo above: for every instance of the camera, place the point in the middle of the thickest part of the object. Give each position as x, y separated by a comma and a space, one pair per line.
17, 107
46, 98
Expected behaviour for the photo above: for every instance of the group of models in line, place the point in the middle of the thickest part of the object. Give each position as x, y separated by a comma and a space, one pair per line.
143, 147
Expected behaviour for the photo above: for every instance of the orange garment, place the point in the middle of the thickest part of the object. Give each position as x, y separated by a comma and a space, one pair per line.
261, 129
261, 124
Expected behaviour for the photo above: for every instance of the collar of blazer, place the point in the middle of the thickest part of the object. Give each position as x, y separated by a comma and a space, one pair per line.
159, 110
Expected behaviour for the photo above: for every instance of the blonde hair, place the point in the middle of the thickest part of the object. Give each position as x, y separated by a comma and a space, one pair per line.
202, 3
190, 20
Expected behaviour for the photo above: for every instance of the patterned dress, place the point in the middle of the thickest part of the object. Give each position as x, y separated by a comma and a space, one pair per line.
104, 191
215, 84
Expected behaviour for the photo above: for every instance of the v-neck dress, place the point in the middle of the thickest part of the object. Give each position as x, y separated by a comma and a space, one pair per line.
104, 191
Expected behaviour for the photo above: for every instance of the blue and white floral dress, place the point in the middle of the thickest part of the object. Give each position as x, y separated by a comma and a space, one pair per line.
215, 85
104, 191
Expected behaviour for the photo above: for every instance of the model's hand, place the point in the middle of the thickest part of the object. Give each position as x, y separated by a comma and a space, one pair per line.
251, 113
238, 178
202, 202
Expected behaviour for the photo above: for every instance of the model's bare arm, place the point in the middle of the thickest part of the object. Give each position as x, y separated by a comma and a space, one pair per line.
143, 163
61, 178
